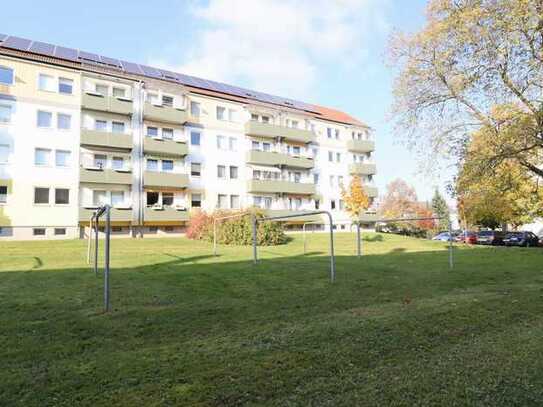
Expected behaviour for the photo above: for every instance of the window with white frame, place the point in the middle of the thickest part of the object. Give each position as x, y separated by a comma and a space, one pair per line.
167, 101
195, 109
62, 158
42, 156
233, 115
221, 171
195, 169
266, 146
41, 195
99, 197
167, 165
338, 157
330, 156
62, 196
152, 131
3, 194
337, 134
196, 200
233, 172
117, 127
100, 161
45, 119
167, 134
195, 138
222, 201
65, 86
167, 198
117, 198
221, 113
46, 82
117, 163
222, 143
4, 153
6, 75
64, 121
119, 92
100, 125
329, 132
234, 202
101, 89
232, 144
152, 164
5, 113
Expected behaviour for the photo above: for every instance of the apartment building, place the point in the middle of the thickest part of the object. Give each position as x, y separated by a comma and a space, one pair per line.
78, 130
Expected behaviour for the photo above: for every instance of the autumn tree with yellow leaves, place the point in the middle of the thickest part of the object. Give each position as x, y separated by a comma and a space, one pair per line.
355, 198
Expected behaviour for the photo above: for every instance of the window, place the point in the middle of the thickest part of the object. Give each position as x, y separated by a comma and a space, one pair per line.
332, 204
296, 150
340, 180
222, 201
41, 195
167, 134
117, 198
38, 231
294, 124
337, 134
315, 178
195, 169
152, 164
257, 201
196, 200
62, 158
234, 202
338, 157
329, 132
167, 101
117, 163
41, 156
152, 131
254, 117
102, 89
331, 180
100, 125
99, 197
341, 205
45, 119
266, 146
221, 171
153, 98
267, 202
255, 145
100, 161
152, 198
3, 193
221, 143
167, 165
46, 82
64, 121
233, 143
5, 113
6, 75
117, 127
4, 153
221, 113
233, 172
60, 231
265, 119
195, 138
330, 156
65, 86
297, 177
119, 92
317, 204
232, 115
167, 198
62, 196
195, 109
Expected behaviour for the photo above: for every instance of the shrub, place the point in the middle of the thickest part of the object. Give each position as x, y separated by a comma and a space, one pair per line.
235, 231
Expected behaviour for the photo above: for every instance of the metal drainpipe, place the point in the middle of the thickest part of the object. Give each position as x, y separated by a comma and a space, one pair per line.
141, 157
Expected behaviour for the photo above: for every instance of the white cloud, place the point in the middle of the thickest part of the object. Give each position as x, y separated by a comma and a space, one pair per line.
279, 46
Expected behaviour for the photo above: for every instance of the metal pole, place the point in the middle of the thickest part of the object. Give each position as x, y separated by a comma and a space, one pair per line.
214, 237
358, 243
89, 241
255, 254
96, 246
106, 255
305, 242
332, 257
451, 265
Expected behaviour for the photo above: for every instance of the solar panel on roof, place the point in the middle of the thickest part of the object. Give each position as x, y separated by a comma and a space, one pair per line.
89, 57
172, 76
42, 48
150, 71
66, 53
131, 68
110, 61
17, 43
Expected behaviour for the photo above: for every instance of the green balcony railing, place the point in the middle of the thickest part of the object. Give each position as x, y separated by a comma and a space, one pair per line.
258, 129
278, 186
165, 180
362, 169
272, 158
165, 114
165, 214
105, 176
106, 104
105, 139
360, 146
117, 215
165, 147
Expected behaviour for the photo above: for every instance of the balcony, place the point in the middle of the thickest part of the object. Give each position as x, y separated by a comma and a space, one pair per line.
117, 215
258, 129
272, 158
361, 146
164, 114
109, 104
278, 186
362, 169
165, 214
106, 139
105, 176
164, 147
165, 180
368, 217
286, 212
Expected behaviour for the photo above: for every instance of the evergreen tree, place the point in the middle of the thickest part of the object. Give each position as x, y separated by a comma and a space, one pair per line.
441, 210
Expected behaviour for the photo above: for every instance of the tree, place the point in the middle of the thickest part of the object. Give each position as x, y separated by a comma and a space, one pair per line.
440, 209
475, 65
356, 200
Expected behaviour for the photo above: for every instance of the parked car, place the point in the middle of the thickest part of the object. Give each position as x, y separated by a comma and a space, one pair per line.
490, 237
525, 239
467, 237
443, 236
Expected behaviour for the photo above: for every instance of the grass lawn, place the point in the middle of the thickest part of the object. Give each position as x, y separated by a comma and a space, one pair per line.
397, 328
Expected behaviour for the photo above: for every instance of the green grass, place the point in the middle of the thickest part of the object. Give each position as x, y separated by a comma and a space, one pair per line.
397, 328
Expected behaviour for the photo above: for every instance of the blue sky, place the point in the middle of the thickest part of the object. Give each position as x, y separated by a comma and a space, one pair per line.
320, 51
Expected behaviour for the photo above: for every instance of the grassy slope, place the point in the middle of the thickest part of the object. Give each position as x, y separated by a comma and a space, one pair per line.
397, 328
